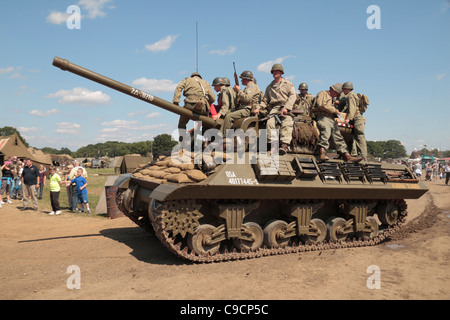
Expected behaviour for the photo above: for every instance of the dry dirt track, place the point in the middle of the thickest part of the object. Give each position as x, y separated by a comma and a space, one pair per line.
118, 260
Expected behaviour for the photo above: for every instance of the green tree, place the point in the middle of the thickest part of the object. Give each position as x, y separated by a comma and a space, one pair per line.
163, 143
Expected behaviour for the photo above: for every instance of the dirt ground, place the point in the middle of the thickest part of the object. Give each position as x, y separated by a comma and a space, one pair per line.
118, 260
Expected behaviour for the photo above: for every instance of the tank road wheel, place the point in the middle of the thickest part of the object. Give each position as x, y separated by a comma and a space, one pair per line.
201, 242
387, 213
370, 229
252, 238
336, 229
274, 234
317, 232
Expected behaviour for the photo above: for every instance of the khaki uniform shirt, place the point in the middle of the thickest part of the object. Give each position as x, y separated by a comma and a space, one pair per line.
305, 103
352, 104
250, 97
227, 100
324, 103
279, 94
192, 90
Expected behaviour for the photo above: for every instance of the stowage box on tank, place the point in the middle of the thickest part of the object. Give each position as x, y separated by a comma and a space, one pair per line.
210, 206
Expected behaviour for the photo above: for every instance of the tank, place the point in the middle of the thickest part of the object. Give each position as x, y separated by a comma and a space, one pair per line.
206, 204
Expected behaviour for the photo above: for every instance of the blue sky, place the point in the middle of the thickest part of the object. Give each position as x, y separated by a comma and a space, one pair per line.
404, 67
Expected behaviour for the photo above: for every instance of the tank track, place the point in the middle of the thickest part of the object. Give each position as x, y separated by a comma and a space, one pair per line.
174, 245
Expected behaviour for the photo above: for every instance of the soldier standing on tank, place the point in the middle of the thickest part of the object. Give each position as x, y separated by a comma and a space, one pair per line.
199, 96
325, 113
305, 100
355, 118
247, 100
279, 98
226, 99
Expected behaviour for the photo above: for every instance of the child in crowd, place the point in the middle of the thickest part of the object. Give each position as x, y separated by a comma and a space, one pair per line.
82, 194
55, 188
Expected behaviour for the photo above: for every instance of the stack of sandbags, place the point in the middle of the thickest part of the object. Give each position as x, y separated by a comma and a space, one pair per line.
164, 169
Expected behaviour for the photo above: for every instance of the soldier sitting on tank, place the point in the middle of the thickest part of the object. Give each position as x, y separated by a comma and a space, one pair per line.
247, 99
199, 96
305, 100
226, 99
325, 113
279, 98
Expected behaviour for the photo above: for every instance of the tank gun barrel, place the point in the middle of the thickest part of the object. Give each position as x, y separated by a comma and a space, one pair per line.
65, 65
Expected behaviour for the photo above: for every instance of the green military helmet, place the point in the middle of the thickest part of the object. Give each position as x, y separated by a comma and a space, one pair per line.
303, 86
218, 81
196, 74
347, 85
277, 67
337, 87
248, 75
226, 81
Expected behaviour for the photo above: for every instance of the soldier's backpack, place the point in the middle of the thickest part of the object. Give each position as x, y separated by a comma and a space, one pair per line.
363, 102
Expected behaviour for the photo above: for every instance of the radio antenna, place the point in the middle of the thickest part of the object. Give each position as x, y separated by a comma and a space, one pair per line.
196, 35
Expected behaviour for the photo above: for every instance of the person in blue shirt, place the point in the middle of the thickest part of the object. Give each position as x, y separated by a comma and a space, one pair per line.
82, 194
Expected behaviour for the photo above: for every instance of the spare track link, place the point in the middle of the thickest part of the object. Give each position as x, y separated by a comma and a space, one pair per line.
182, 250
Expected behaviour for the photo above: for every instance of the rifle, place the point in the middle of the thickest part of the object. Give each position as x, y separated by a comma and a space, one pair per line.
278, 116
236, 79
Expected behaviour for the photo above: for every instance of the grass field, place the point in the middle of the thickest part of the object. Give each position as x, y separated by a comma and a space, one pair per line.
96, 184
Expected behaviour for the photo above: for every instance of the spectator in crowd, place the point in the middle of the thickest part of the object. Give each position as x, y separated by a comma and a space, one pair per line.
82, 194
15, 165
55, 188
447, 173
72, 204
6, 182
72, 175
30, 183
42, 178
418, 171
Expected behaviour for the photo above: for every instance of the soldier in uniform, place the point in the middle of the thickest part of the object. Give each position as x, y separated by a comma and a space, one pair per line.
305, 100
226, 99
279, 98
199, 96
325, 113
356, 119
246, 100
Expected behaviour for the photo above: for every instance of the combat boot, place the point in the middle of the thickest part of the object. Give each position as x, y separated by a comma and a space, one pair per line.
323, 154
348, 158
284, 148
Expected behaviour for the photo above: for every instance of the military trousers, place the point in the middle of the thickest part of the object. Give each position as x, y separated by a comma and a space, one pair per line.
330, 130
183, 121
359, 136
287, 126
231, 117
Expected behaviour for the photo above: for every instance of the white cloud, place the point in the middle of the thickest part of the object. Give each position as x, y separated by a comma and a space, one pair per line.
120, 124
267, 66
127, 131
154, 85
57, 17
94, 9
228, 51
81, 96
441, 76
28, 130
40, 113
163, 44
68, 128
153, 115
7, 70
